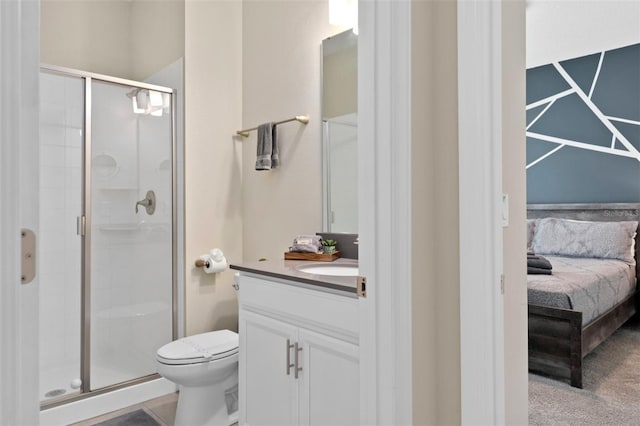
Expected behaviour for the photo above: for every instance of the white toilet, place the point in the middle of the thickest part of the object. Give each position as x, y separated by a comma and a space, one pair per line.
206, 368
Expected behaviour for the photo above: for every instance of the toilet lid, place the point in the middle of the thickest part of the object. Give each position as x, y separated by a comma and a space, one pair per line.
199, 348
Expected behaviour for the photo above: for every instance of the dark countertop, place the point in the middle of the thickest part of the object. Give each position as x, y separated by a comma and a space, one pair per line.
287, 270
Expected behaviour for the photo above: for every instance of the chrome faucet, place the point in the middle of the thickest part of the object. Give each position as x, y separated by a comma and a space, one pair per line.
149, 203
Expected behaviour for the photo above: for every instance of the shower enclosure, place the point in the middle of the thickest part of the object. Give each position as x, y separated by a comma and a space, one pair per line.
107, 250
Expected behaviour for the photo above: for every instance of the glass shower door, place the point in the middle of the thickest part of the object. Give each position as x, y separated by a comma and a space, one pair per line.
60, 204
129, 232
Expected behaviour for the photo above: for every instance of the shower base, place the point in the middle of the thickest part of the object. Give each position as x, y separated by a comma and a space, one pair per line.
97, 405
63, 381
55, 383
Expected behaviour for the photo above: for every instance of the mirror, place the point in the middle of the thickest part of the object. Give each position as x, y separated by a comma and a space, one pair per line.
340, 132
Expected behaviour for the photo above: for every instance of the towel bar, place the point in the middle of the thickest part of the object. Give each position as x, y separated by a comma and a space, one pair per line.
304, 119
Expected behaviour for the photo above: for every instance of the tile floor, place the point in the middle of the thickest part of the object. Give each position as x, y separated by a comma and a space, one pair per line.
162, 410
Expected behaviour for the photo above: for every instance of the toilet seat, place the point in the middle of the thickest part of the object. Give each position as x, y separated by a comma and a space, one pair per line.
199, 348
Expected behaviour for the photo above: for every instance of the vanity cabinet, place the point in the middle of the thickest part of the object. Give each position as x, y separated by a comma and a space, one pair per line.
299, 357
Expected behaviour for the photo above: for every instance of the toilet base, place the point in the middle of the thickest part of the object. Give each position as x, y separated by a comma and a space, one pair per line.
204, 405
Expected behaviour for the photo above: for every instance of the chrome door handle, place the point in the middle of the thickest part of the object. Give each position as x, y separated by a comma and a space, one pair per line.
289, 365
296, 369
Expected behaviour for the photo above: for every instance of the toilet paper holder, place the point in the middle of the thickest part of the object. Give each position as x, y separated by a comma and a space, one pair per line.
213, 262
201, 263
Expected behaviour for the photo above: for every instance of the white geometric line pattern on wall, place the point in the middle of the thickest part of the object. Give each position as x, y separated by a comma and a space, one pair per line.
595, 78
592, 113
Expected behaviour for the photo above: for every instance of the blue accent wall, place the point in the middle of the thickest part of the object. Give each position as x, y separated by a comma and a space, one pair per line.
583, 136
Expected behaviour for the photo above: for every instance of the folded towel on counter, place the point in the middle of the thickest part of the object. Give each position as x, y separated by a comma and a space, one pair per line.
307, 244
268, 156
531, 270
538, 262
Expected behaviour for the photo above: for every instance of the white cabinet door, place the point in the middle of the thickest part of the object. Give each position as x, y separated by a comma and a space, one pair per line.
329, 381
268, 396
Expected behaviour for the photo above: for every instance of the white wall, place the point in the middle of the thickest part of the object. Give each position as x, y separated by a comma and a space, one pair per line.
564, 29
122, 38
281, 79
157, 35
87, 35
213, 163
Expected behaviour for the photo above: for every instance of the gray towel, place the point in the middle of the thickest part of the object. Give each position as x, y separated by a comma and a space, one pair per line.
267, 154
538, 262
531, 270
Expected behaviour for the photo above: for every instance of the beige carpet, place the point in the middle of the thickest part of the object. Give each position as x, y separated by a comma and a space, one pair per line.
611, 394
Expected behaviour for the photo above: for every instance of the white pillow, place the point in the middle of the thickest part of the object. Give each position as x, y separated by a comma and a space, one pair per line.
606, 240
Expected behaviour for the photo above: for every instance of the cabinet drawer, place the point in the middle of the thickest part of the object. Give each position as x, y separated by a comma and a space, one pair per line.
328, 313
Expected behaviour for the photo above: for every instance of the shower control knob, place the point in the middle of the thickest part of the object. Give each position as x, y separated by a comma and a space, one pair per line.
148, 202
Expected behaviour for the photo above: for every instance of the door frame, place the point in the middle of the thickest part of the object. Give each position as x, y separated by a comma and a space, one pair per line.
384, 190
384, 146
19, 179
481, 211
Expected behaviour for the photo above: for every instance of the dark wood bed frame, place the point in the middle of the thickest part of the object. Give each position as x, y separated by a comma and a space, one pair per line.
557, 339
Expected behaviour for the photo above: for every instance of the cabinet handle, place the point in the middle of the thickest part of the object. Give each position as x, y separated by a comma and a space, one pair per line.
296, 369
289, 365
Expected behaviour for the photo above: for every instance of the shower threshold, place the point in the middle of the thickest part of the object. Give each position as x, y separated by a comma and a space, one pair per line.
83, 406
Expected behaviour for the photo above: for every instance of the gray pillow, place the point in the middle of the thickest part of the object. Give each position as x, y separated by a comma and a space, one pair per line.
607, 240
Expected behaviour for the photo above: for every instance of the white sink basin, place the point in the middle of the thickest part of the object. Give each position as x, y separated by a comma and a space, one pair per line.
334, 270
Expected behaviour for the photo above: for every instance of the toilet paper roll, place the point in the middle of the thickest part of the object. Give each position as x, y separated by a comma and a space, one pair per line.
217, 266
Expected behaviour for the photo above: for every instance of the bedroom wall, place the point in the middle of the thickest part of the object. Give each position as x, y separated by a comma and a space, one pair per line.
583, 114
562, 29
584, 146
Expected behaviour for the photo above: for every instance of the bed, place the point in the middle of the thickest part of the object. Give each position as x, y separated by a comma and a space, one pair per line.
586, 299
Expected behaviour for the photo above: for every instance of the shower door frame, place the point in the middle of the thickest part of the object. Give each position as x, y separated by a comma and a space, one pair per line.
85, 297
